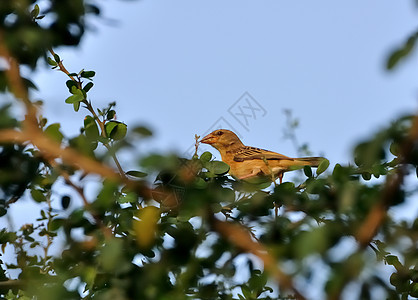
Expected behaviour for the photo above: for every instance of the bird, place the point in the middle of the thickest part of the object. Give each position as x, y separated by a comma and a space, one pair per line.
248, 162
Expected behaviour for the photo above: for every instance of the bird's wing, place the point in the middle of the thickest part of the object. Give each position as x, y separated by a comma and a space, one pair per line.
249, 153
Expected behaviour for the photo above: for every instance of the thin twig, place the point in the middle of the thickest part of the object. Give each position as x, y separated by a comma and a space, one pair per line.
90, 108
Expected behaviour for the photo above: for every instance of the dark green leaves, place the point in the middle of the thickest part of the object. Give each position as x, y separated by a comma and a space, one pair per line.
115, 130
136, 174
308, 171
88, 86
70, 84
88, 74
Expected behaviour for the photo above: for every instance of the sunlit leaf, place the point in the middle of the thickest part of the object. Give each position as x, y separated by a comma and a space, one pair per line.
323, 166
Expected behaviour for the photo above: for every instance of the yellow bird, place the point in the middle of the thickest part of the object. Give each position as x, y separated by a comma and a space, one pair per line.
247, 162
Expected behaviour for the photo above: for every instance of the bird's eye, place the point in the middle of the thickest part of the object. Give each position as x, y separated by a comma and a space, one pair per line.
219, 133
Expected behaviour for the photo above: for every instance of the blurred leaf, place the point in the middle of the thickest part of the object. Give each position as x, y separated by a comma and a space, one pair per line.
35, 12
53, 132
37, 195
146, 227
143, 131
397, 55
111, 256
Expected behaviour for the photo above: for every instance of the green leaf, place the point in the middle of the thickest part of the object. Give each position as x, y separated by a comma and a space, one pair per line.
128, 198
217, 167
91, 130
3, 211
142, 130
37, 195
137, 174
88, 86
53, 131
74, 99
88, 74
70, 84
51, 62
35, 12
55, 224
402, 52
366, 175
393, 260
111, 114
395, 149
308, 171
323, 166
57, 58
205, 157
115, 130
76, 106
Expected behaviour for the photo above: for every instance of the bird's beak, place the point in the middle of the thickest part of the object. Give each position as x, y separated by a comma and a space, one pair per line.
209, 139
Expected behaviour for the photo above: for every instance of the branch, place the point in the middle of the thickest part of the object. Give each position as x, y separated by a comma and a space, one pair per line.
241, 238
53, 149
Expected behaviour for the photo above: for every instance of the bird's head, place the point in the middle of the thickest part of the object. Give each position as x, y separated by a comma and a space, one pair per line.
222, 139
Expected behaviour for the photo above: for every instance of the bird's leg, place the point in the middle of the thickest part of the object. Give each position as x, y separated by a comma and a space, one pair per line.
277, 206
270, 170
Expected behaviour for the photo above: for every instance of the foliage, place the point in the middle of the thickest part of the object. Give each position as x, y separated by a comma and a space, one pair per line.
193, 232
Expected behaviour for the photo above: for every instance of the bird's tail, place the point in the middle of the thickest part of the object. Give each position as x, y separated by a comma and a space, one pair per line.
310, 161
